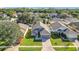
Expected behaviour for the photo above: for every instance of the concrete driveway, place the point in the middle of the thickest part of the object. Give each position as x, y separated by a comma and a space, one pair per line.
46, 46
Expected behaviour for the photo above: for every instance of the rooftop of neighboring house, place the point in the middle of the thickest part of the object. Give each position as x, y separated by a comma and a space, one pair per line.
56, 19
75, 25
56, 25
4, 15
71, 20
71, 33
54, 15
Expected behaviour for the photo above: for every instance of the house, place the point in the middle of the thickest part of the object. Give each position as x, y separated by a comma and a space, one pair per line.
57, 27
70, 20
40, 31
75, 25
56, 19
53, 15
71, 35
15, 15
13, 19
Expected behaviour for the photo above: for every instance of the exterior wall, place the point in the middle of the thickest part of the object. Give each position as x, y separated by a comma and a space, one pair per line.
71, 37
33, 33
44, 33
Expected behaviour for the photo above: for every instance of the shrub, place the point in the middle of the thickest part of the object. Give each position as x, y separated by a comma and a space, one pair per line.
28, 35
55, 35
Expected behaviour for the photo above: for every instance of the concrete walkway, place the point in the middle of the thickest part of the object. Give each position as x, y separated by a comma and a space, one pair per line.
77, 43
46, 46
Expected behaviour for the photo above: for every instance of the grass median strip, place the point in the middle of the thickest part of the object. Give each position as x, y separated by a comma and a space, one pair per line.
30, 48
65, 48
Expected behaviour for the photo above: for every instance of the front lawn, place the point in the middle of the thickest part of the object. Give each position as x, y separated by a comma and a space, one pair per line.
65, 48
59, 42
29, 40
30, 49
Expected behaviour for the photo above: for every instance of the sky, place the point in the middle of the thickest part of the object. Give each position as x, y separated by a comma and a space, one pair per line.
39, 3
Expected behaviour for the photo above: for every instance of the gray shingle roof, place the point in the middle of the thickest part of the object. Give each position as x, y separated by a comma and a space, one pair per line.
40, 24
71, 20
56, 25
71, 33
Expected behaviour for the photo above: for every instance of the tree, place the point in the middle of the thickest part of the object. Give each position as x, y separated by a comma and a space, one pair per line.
26, 18
9, 33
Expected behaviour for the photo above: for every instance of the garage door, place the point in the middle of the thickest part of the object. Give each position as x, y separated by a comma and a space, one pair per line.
45, 36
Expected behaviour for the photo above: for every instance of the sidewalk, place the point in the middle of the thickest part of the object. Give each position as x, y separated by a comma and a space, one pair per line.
13, 48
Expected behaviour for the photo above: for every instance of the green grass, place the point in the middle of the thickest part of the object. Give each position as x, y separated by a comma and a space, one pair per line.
59, 42
29, 40
30, 49
65, 48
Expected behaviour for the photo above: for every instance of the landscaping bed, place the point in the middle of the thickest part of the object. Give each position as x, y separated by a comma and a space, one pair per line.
30, 49
65, 48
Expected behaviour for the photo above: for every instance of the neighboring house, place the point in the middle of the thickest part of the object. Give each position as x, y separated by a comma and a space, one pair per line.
75, 25
70, 20
13, 19
71, 35
19, 13
3, 15
56, 19
53, 15
15, 15
57, 27
40, 31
